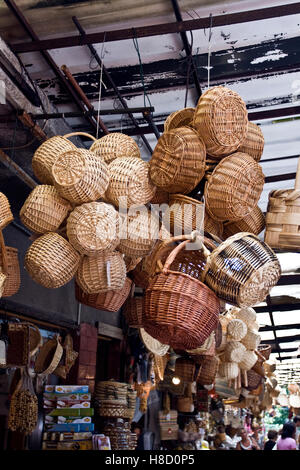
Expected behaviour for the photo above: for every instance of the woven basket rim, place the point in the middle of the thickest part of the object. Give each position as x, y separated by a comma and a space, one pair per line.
45, 350
152, 344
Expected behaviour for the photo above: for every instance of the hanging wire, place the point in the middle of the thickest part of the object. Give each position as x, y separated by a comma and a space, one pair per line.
102, 54
136, 46
209, 50
190, 60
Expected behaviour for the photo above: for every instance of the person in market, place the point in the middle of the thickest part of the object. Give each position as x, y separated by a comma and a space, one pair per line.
231, 437
296, 421
272, 439
246, 442
257, 435
287, 439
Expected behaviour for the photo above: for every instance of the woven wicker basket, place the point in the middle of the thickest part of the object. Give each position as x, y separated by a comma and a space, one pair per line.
134, 312
248, 360
49, 357
253, 380
101, 273
185, 404
179, 309
234, 188
110, 301
221, 120
115, 145
252, 223
9, 264
131, 263
181, 118
140, 233
251, 340
6, 216
185, 214
236, 329
80, 176
207, 348
2, 282
254, 142
247, 315
129, 182
185, 369
283, 217
94, 227
229, 370
44, 210
265, 350
242, 270
213, 226
140, 276
152, 344
234, 351
160, 197
208, 370
178, 161
51, 261
48, 151
159, 366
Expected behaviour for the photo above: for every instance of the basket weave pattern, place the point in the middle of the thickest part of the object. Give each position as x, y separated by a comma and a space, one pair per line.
181, 118
185, 369
186, 214
254, 142
134, 312
208, 370
110, 301
13, 278
115, 145
6, 216
252, 223
139, 234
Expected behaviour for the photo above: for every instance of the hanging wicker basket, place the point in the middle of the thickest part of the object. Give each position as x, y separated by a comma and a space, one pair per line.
252, 223
94, 228
251, 340
11, 270
181, 118
229, 370
242, 270
248, 360
185, 369
247, 315
141, 229
178, 161
80, 176
49, 357
131, 263
152, 344
6, 216
221, 120
207, 348
208, 370
115, 145
234, 351
134, 312
51, 261
179, 309
110, 301
129, 182
44, 210
101, 273
160, 197
234, 188
236, 329
254, 142
185, 214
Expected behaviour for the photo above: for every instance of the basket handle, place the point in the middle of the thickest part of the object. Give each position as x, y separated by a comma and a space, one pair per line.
260, 355
4, 254
73, 134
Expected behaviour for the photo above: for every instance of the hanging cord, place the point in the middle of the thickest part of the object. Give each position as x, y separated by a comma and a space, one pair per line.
136, 46
209, 50
190, 60
100, 84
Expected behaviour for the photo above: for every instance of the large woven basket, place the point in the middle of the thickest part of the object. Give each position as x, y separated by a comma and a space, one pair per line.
160, 197
178, 161
110, 301
6, 216
234, 188
9, 264
208, 370
80, 176
140, 233
221, 120
94, 227
179, 309
51, 261
254, 142
283, 217
242, 270
115, 145
207, 348
44, 210
134, 312
49, 357
252, 223
185, 214
101, 273
185, 369
129, 182
181, 118
46, 154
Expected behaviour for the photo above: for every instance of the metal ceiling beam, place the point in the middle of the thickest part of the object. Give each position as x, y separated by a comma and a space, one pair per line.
111, 82
159, 29
285, 339
269, 304
287, 358
187, 48
17, 170
288, 280
274, 350
293, 326
284, 177
278, 308
22, 20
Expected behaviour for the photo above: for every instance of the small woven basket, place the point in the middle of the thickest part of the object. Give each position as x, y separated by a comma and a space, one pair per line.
181, 118
185, 369
179, 309
247, 315
44, 210
110, 301
185, 404
51, 261
80, 176
221, 120
49, 357
134, 312
185, 214
129, 182
234, 351
6, 216
251, 340
101, 273
254, 142
140, 233
131, 263
242, 270
265, 350
248, 360
178, 161
236, 329
115, 145
229, 370
253, 380
94, 227
9, 264
234, 187
252, 223
208, 370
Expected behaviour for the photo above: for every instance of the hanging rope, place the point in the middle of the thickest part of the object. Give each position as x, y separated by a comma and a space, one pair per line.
136, 46
209, 50
100, 85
